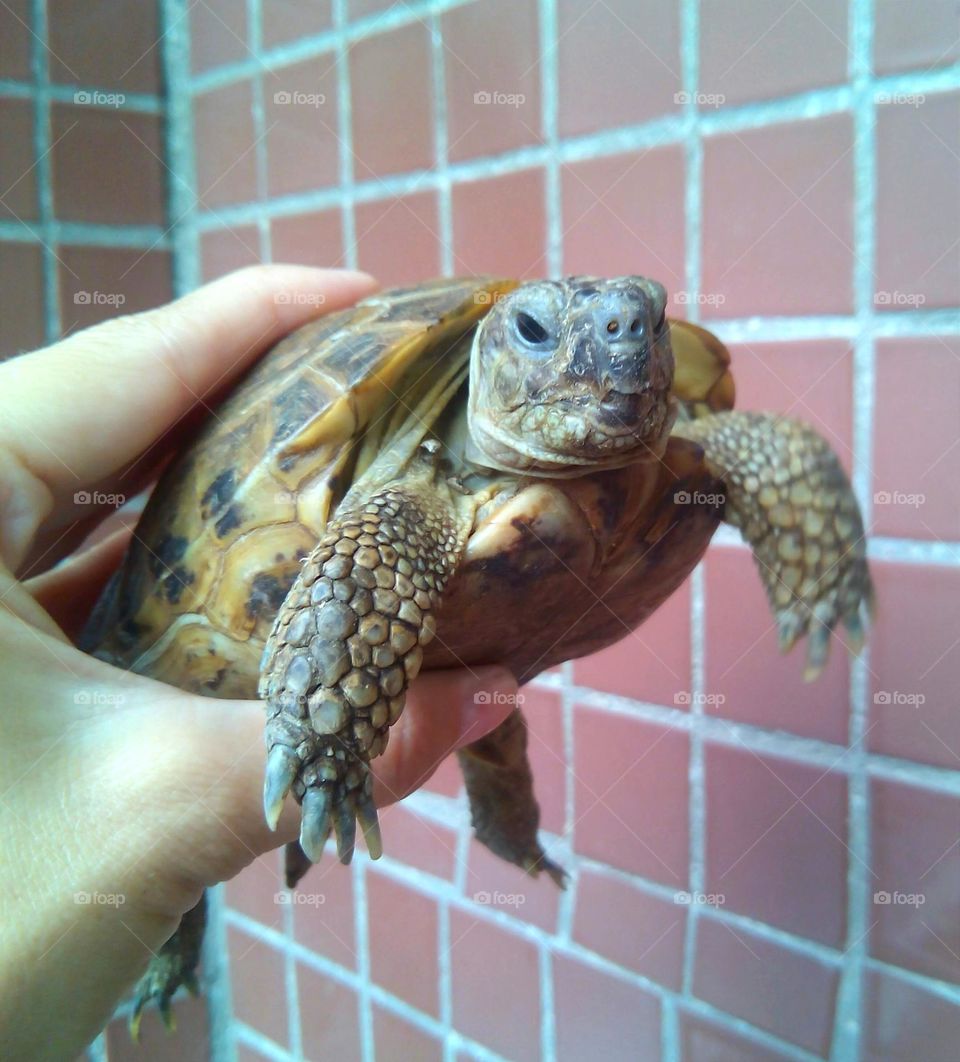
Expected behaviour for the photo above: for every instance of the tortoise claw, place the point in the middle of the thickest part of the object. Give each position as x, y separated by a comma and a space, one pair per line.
366, 812
315, 822
283, 766
345, 825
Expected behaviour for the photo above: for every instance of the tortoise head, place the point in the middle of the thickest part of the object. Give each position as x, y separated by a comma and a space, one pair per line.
572, 375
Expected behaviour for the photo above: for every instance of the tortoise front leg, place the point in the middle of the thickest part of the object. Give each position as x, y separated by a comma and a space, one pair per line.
789, 496
347, 642
503, 809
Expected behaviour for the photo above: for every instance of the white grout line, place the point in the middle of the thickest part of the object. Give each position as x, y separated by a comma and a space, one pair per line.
345, 195
40, 69
441, 147
133, 102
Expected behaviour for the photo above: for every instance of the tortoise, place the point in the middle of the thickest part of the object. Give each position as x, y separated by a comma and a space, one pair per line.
461, 472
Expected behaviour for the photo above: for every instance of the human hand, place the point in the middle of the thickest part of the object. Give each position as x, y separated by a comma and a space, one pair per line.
142, 792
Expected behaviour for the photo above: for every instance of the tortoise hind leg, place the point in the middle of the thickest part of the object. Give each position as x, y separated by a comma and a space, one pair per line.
789, 496
175, 964
347, 642
504, 810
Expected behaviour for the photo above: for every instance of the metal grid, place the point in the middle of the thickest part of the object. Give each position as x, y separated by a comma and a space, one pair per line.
862, 328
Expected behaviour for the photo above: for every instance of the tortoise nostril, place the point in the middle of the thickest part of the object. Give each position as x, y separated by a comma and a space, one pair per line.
613, 326
635, 326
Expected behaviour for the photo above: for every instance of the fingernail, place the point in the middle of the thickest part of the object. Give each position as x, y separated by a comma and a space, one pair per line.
488, 697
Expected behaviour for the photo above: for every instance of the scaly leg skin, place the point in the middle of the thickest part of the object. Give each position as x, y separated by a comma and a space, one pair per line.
348, 640
175, 964
792, 501
503, 808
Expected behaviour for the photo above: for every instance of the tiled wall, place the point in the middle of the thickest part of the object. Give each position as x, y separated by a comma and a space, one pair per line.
790, 171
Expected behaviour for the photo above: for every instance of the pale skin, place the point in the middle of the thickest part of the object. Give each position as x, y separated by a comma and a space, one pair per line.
139, 790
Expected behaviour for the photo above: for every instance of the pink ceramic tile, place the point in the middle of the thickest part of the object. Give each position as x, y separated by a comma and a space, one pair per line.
747, 678
109, 44
309, 239
245, 1053
396, 1040
100, 282
651, 663
776, 842
493, 882
636, 45
902, 1021
758, 50
357, 9
915, 492
223, 250
810, 381
259, 892
392, 106
218, 33
107, 166
703, 1041
189, 1043
630, 802
645, 935
225, 145
419, 842
21, 280
18, 180
599, 1016
777, 219
258, 985
913, 900
492, 64
300, 115
329, 1017
915, 665
901, 41
15, 39
290, 20
495, 975
404, 939
918, 210
323, 912
624, 214
398, 239
753, 978
499, 225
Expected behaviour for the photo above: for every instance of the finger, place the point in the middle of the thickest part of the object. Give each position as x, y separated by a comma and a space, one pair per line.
80, 410
209, 777
69, 592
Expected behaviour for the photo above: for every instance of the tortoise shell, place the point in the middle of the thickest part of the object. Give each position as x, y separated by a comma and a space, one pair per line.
223, 535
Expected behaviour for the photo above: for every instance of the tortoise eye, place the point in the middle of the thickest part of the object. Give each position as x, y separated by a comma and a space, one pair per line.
530, 330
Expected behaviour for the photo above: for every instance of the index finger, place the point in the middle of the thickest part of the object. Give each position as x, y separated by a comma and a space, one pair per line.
78, 411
